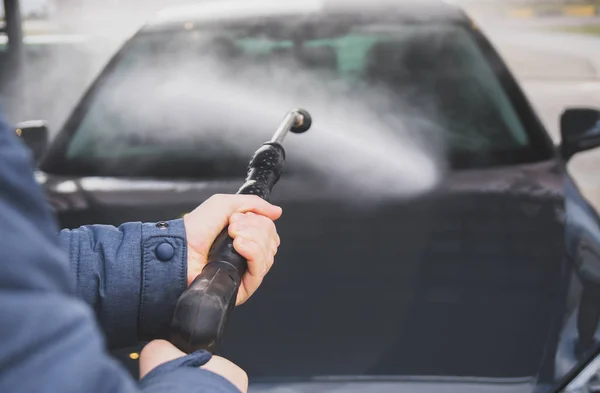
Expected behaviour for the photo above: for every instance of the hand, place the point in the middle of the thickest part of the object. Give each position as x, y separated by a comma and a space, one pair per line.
158, 352
251, 225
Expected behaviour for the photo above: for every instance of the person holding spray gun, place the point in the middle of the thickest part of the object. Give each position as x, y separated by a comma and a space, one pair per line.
131, 276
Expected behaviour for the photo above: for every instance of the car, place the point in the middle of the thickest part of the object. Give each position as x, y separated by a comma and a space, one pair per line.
482, 276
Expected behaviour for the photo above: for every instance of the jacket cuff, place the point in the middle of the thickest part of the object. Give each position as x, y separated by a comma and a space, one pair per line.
164, 276
184, 375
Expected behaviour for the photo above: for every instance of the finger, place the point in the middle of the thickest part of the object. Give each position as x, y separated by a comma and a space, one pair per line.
277, 239
156, 353
271, 255
259, 229
251, 218
262, 231
244, 204
261, 221
249, 285
254, 254
257, 268
217, 210
209, 219
273, 242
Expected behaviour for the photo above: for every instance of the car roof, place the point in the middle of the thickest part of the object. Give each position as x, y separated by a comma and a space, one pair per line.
239, 10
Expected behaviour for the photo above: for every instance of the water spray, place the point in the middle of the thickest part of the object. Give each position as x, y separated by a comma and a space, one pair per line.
203, 309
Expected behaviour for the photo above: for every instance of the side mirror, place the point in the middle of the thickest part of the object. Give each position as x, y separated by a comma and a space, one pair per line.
35, 135
580, 131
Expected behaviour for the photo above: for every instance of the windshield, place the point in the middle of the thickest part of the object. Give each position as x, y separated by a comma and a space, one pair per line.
153, 112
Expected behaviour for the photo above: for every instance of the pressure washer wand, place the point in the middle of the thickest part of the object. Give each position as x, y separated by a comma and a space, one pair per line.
203, 309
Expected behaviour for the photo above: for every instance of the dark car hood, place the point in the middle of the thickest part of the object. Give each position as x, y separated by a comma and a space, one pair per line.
461, 282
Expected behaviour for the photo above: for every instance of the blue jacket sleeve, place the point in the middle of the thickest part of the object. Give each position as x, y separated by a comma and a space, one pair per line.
132, 276
49, 339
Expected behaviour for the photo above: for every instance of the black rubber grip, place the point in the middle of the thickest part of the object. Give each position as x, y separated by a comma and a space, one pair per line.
264, 170
202, 311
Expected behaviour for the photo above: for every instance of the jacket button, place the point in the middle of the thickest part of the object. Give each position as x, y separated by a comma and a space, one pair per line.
162, 225
165, 251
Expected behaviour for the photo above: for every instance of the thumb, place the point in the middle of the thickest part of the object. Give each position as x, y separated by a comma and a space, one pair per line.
155, 353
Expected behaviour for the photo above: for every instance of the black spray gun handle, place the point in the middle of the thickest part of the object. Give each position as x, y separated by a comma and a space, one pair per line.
203, 309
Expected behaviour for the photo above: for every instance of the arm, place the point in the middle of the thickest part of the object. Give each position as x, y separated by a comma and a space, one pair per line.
131, 276
50, 341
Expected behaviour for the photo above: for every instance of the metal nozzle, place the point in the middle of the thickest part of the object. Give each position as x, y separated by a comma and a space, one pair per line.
297, 121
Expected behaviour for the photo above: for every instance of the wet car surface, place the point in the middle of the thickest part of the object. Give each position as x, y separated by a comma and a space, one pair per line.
477, 280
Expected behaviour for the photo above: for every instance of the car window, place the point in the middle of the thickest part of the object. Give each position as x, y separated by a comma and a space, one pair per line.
140, 121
